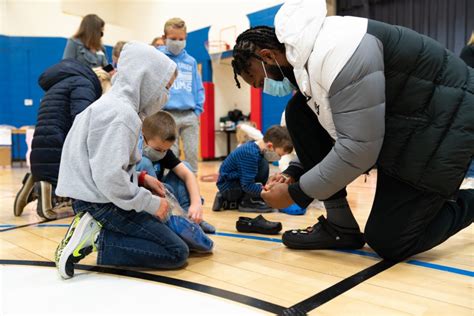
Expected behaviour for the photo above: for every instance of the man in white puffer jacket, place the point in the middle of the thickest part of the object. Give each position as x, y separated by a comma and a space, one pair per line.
369, 93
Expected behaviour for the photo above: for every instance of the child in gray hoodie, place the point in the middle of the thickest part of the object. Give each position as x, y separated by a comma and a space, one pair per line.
119, 211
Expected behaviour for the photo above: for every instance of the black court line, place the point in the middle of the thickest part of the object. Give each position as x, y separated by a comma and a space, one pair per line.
240, 298
337, 289
300, 308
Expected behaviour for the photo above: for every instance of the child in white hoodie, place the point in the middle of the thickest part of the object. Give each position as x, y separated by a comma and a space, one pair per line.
119, 212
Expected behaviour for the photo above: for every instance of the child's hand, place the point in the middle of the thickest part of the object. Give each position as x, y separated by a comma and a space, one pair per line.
154, 185
163, 209
195, 213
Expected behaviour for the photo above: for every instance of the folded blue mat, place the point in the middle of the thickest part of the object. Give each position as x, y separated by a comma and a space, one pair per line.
191, 233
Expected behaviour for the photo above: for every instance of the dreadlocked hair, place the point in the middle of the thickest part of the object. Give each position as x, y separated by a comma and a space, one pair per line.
248, 42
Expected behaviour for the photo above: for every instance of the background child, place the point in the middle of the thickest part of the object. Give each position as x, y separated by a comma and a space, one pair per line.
247, 131
70, 87
187, 93
244, 172
159, 134
117, 210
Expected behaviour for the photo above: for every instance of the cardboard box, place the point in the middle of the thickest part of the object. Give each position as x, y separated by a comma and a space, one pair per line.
5, 156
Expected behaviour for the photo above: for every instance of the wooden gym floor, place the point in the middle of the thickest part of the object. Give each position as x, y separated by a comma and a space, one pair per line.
258, 273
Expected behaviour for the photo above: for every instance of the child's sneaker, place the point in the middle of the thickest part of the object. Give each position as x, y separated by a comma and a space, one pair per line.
80, 240
207, 228
220, 203
254, 205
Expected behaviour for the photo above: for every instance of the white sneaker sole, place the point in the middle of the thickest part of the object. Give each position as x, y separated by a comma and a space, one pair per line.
72, 244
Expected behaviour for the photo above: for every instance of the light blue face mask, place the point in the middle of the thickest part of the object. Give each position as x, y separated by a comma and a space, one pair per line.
277, 88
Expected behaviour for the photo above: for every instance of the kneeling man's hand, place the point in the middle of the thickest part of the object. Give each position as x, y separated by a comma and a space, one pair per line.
278, 196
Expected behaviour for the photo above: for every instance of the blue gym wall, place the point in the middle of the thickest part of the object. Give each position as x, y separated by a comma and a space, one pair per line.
272, 107
22, 60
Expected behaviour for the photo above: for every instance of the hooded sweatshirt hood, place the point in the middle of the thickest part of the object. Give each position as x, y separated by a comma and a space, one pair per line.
297, 25
65, 69
100, 152
142, 76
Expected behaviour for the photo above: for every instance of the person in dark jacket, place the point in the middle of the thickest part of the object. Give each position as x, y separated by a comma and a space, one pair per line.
70, 87
467, 54
369, 93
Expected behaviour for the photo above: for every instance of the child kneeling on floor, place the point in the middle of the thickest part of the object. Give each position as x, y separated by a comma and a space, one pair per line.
159, 135
118, 212
244, 172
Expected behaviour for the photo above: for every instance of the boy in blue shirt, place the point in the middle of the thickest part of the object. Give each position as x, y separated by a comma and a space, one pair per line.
245, 171
187, 93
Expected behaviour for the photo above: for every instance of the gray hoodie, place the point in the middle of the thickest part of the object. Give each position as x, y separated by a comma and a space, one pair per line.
100, 151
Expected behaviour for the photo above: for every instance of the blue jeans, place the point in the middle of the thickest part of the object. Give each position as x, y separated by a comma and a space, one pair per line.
171, 181
146, 165
134, 239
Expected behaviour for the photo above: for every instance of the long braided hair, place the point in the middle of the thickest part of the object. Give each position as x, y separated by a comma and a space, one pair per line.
248, 42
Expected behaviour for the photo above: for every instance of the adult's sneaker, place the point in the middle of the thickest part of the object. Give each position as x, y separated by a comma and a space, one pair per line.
79, 241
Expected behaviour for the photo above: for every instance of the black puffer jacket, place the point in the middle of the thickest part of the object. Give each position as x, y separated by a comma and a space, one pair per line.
467, 54
429, 127
70, 88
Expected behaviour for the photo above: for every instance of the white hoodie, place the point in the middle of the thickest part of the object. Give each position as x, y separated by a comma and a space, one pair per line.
317, 47
100, 151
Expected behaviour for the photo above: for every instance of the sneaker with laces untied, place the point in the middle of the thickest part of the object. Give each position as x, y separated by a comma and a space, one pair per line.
79, 241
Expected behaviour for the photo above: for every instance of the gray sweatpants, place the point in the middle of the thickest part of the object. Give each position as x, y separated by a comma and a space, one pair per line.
187, 124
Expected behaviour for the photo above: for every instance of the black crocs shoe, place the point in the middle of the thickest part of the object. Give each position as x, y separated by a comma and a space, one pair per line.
323, 235
257, 225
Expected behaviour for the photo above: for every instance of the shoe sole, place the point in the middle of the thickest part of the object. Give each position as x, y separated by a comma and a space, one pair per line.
319, 246
245, 229
71, 245
21, 199
253, 210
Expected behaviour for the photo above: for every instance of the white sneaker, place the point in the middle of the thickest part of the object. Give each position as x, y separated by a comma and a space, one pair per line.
78, 242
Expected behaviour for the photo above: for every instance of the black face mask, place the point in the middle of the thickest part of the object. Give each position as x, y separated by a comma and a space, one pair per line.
275, 73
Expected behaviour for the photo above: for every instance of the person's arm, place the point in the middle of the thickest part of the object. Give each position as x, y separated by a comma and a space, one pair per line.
105, 60
357, 100
295, 169
198, 90
70, 49
248, 167
189, 179
110, 149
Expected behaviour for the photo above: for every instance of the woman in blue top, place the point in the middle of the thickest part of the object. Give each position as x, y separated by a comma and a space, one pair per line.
86, 45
